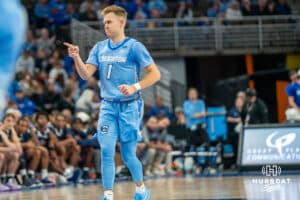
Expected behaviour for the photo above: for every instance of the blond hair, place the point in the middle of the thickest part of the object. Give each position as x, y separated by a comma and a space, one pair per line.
117, 10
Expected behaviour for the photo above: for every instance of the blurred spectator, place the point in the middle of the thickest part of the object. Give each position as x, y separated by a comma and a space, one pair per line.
185, 10
141, 11
160, 5
51, 97
57, 13
71, 12
154, 136
247, 8
271, 7
15, 112
234, 124
233, 12
39, 97
25, 105
12, 150
292, 91
234, 116
254, 110
33, 154
85, 100
30, 42
25, 63
67, 102
89, 14
180, 117
242, 95
41, 61
56, 71
214, 10
224, 5
261, 8
155, 15
65, 144
282, 8
95, 5
87, 144
55, 58
47, 139
159, 110
41, 12
194, 110
44, 42
129, 6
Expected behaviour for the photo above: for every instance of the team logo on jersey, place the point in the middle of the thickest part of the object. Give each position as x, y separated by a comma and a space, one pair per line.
104, 129
120, 59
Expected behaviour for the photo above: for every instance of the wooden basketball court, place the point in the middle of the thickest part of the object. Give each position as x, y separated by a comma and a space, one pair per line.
208, 188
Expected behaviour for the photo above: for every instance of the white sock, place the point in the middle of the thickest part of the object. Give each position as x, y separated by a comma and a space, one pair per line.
44, 173
140, 189
109, 195
71, 168
31, 173
23, 172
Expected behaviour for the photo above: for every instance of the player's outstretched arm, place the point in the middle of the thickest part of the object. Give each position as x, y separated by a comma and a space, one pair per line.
84, 70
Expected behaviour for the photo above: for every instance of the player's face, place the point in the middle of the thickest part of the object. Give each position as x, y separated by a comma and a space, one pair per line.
60, 122
8, 123
113, 25
22, 126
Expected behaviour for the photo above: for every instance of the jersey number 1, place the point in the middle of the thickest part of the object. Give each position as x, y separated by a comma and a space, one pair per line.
109, 71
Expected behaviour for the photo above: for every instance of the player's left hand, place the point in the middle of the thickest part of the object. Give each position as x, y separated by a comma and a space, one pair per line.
127, 90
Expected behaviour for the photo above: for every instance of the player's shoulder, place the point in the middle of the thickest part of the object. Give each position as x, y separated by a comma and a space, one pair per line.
102, 42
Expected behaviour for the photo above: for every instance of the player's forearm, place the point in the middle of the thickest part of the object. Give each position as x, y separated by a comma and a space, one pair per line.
81, 68
150, 78
293, 104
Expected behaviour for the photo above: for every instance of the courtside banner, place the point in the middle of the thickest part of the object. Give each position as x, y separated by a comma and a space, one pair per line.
273, 144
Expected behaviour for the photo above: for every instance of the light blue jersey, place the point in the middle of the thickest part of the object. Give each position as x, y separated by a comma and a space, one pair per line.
118, 64
190, 108
12, 33
120, 116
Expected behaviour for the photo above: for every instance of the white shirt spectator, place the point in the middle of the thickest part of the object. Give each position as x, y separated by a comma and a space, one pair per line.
25, 63
233, 12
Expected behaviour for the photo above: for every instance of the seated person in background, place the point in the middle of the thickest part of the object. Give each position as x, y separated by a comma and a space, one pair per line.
154, 135
195, 112
293, 93
87, 144
33, 155
65, 144
179, 116
47, 139
11, 148
159, 109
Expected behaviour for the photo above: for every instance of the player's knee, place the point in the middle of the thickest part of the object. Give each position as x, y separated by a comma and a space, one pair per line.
107, 153
151, 151
15, 156
2, 157
37, 153
44, 153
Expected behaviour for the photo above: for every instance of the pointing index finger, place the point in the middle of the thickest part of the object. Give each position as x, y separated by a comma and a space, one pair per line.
68, 44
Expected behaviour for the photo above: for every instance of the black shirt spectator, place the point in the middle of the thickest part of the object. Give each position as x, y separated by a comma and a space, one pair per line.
254, 110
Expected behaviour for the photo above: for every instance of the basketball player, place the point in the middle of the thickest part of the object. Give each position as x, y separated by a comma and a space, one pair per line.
12, 32
119, 60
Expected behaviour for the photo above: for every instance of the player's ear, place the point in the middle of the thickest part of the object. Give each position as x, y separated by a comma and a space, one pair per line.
122, 22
